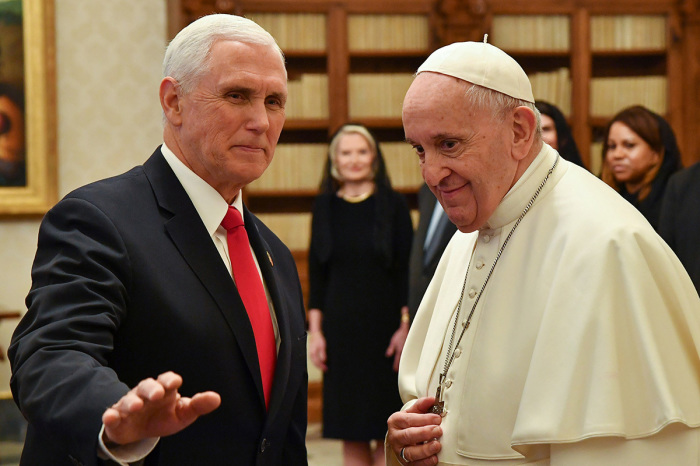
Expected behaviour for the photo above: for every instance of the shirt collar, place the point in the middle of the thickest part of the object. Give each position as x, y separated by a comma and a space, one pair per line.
209, 204
515, 200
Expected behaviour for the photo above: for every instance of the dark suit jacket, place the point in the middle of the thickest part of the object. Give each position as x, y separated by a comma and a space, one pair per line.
420, 274
128, 284
679, 223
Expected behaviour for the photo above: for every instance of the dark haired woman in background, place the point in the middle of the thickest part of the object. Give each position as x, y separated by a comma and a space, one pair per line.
639, 156
358, 314
556, 132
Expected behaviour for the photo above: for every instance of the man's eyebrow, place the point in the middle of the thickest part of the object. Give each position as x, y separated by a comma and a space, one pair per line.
436, 137
247, 91
279, 95
238, 89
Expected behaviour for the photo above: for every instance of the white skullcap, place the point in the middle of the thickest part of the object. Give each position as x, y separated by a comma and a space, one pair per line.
483, 64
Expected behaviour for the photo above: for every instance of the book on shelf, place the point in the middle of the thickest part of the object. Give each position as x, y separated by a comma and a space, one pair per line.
388, 32
294, 229
294, 31
401, 165
531, 32
294, 167
307, 96
610, 95
300, 167
596, 158
377, 94
628, 32
553, 87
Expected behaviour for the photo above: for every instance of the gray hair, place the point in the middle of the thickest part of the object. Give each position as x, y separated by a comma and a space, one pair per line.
188, 54
499, 104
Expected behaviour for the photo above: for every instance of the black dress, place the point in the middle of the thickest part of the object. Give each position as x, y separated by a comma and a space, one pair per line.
679, 223
361, 296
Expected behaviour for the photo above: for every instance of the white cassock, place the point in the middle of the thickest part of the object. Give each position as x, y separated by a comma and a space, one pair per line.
583, 348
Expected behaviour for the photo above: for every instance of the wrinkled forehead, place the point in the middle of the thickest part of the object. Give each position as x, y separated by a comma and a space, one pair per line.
435, 93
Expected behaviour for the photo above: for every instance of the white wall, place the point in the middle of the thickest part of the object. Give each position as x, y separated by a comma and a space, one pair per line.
108, 56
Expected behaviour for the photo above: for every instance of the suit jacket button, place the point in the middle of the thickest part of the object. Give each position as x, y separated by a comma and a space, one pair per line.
265, 443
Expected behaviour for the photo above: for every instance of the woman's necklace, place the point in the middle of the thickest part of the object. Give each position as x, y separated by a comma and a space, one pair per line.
439, 406
355, 198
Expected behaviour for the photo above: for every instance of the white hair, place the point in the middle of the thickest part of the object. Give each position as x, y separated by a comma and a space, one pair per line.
499, 104
188, 54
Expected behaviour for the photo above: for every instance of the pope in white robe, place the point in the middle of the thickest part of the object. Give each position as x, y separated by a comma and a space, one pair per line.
583, 347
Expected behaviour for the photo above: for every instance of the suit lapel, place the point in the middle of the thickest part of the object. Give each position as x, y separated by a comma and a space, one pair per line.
187, 232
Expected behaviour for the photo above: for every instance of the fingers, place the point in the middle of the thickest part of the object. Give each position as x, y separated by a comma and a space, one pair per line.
154, 408
410, 429
422, 405
322, 359
416, 431
390, 349
317, 351
170, 380
148, 390
424, 454
205, 403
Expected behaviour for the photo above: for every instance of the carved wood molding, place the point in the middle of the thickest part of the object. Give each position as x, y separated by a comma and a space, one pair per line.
461, 20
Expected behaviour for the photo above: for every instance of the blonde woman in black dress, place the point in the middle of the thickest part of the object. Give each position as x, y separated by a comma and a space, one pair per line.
358, 313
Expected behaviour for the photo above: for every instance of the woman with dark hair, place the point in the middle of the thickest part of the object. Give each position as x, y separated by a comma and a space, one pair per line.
358, 313
556, 132
639, 156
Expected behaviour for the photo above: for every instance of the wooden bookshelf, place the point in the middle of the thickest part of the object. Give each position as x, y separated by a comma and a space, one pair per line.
356, 70
675, 57
605, 44
348, 61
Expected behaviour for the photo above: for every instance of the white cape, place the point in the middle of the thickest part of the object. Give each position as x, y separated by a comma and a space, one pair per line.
589, 325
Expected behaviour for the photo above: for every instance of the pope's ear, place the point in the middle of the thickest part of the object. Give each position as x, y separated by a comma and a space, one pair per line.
170, 100
524, 130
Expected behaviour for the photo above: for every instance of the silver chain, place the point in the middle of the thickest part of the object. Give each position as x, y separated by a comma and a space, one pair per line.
451, 354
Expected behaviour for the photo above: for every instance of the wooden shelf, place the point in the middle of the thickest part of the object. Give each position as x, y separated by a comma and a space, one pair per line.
311, 63
463, 20
306, 123
374, 63
294, 201
625, 63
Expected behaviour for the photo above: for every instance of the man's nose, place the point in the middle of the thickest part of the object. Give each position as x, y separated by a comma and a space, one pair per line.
258, 120
432, 170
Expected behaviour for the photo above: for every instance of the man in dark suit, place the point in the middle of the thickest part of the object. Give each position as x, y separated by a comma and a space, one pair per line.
132, 286
431, 238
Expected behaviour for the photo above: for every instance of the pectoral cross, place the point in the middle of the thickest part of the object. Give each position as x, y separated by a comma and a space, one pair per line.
439, 406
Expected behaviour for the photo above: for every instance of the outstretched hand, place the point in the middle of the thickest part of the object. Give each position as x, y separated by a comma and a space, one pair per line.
154, 408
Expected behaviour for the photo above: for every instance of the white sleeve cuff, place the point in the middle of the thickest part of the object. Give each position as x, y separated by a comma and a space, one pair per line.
129, 453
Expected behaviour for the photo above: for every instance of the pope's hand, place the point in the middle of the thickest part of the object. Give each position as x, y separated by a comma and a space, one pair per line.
415, 432
154, 408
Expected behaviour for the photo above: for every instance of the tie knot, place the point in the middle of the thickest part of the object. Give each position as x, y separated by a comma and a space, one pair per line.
232, 219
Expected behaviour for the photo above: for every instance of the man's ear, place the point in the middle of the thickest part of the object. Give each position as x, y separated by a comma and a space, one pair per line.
524, 130
170, 100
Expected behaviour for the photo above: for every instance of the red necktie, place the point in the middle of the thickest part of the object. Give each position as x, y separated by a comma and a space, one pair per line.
252, 293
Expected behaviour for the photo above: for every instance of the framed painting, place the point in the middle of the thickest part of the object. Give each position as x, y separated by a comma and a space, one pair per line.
28, 184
